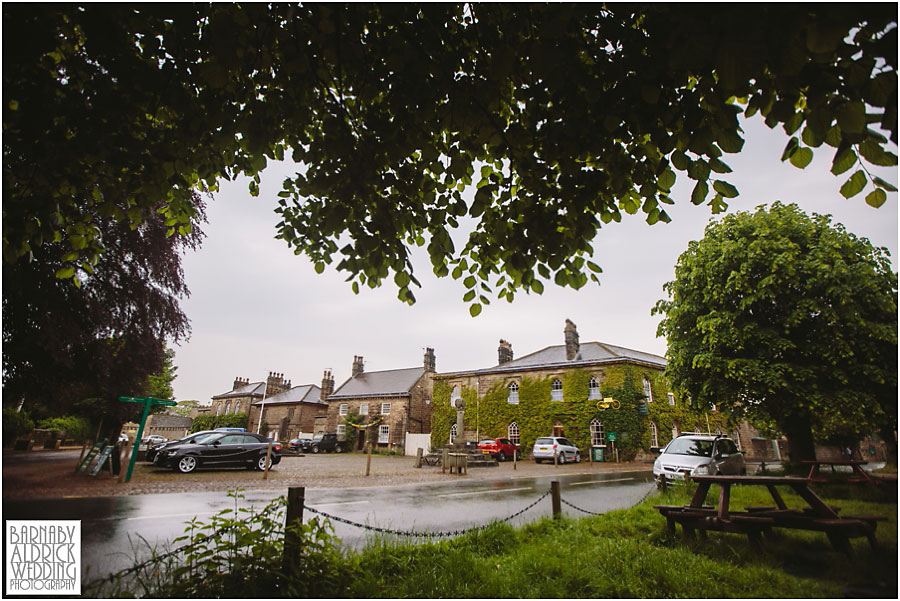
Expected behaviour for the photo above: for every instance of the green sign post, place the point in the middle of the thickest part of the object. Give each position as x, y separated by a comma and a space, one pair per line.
148, 402
611, 436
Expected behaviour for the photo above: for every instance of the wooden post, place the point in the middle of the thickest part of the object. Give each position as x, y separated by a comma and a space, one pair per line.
515, 458
122, 454
418, 457
369, 460
445, 455
555, 458
555, 499
293, 517
268, 460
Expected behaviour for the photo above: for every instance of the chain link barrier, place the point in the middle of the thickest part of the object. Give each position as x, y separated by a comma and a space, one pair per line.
413, 533
641, 500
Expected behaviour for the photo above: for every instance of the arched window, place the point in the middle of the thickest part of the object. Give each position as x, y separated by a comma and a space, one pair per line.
654, 436
227, 407
512, 433
648, 392
455, 395
594, 389
218, 408
598, 438
453, 432
556, 390
513, 393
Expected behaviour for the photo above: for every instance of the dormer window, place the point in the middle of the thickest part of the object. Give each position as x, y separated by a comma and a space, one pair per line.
556, 390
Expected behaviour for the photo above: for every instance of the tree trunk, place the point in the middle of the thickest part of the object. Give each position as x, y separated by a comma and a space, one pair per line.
888, 434
798, 430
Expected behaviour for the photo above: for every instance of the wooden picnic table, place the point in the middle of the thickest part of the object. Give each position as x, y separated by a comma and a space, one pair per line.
756, 521
861, 475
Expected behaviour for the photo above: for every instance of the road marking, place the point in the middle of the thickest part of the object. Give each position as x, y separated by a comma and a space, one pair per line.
600, 481
481, 492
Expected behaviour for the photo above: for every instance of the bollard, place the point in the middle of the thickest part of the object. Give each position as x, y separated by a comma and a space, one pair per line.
268, 460
515, 458
369, 461
555, 499
445, 455
122, 455
418, 457
555, 459
290, 558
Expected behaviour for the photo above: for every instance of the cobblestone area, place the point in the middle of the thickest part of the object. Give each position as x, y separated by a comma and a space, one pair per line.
39, 474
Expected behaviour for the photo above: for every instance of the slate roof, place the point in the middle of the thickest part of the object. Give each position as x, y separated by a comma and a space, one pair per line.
252, 389
308, 393
589, 353
161, 420
394, 382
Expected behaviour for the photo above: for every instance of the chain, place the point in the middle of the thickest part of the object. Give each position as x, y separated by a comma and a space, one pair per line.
641, 500
416, 534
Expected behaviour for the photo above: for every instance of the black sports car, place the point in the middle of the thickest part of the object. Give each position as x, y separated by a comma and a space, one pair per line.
220, 449
196, 436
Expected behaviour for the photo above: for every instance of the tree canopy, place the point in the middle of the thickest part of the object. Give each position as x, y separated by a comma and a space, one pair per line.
564, 116
787, 319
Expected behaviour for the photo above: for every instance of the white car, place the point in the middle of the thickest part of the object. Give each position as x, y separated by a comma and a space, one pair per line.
154, 439
548, 446
698, 454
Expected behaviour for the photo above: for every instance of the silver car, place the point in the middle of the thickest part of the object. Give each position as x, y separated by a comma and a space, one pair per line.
548, 446
698, 454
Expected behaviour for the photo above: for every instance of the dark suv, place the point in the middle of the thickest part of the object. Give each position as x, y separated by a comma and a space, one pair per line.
320, 443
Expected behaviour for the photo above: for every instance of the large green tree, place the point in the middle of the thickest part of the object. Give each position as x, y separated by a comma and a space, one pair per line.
565, 117
786, 318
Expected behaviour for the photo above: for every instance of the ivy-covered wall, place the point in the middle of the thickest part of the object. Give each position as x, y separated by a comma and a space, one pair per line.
536, 413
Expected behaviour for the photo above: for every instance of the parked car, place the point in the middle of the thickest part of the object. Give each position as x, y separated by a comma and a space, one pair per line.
322, 442
152, 450
221, 449
548, 446
123, 437
296, 444
154, 439
698, 454
501, 449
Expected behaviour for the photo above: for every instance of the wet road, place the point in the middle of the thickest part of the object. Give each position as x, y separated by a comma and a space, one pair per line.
116, 530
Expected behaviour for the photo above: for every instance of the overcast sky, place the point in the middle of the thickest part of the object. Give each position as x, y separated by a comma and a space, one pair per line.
255, 307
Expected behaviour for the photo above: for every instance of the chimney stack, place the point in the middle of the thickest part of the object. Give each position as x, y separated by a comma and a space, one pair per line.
327, 384
429, 361
571, 334
238, 382
357, 367
504, 352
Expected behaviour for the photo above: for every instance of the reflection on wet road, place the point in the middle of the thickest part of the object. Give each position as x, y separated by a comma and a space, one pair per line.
117, 530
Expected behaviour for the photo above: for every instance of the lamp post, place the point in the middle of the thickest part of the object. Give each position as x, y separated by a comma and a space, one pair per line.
262, 409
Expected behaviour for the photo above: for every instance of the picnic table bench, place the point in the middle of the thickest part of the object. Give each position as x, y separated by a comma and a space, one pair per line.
758, 520
431, 459
860, 477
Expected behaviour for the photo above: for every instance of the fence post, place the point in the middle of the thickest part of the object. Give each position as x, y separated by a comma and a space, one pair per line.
554, 497
369, 460
293, 517
268, 460
444, 457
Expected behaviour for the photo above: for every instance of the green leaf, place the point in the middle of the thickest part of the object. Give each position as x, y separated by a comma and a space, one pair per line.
537, 287
876, 198
319, 267
844, 159
883, 184
594, 267
802, 157
475, 310
854, 185
725, 189
666, 180
469, 282
851, 118
65, 272
401, 279
873, 152
698, 196
469, 296
791, 147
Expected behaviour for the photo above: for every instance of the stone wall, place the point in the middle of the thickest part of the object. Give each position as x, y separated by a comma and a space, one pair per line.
287, 420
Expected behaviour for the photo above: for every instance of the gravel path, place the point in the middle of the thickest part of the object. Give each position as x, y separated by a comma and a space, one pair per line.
40, 474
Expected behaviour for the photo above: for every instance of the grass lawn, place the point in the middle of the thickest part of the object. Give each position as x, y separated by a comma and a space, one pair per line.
628, 553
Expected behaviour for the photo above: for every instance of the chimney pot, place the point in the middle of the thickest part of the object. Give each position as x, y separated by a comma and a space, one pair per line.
571, 336
504, 352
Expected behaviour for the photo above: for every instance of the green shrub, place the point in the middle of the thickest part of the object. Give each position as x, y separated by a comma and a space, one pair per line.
211, 422
75, 427
15, 424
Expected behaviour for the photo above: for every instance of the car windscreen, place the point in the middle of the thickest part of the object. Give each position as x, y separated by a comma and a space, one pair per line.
544, 441
487, 441
690, 446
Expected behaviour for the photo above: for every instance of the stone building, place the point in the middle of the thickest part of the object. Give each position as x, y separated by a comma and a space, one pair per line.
244, 393
171, 427
292, 413
398, 400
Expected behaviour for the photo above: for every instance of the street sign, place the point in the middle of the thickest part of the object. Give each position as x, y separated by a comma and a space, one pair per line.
611, 436
147, 402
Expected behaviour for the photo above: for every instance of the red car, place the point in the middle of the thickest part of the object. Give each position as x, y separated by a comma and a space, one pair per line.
500, 449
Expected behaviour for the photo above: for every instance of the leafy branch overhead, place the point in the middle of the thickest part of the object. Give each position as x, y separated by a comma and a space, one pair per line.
563, 117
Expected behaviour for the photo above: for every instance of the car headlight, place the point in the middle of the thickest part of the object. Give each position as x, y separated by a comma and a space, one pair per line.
701, 469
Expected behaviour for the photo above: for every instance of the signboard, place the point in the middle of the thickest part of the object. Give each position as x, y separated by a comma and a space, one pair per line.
611, 436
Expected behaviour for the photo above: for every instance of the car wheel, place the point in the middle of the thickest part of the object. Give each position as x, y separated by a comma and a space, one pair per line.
187, 464
315, 449
261, 463
338, 449
577, 457
500, 456
562, 459
538, 460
